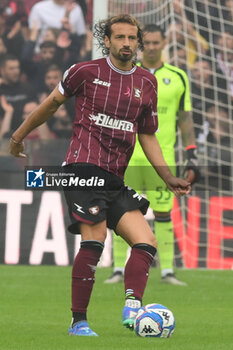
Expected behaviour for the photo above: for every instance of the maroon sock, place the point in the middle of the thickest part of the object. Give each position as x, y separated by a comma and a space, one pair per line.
137, 271
83, 275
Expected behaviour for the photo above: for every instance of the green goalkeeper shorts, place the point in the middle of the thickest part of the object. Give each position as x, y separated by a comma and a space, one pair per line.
144, 179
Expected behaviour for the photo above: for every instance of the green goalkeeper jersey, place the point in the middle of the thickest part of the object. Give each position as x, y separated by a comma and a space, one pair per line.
173, 96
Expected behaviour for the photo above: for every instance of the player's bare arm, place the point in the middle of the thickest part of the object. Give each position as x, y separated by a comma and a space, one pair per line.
191, 170
154, 154
37, 117
186, 128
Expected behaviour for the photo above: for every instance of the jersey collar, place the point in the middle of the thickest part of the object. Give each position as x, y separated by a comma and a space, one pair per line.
124, 72
141, 65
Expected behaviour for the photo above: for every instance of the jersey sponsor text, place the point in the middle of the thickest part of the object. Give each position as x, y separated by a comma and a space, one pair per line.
112, 123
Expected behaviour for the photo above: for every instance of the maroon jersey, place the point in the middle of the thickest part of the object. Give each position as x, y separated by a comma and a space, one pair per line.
111, 107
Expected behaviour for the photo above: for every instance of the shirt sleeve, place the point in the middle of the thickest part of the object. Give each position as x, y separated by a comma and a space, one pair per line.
71, 81
148, 122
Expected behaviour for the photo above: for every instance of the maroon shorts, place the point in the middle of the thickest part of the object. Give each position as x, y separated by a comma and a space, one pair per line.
94, 205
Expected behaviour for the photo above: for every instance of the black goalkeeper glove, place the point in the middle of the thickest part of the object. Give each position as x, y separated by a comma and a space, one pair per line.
191, 171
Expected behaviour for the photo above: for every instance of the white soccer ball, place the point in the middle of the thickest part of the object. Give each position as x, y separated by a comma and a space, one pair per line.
154, 320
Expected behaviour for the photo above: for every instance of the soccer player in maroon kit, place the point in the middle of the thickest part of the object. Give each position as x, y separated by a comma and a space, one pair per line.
115, 99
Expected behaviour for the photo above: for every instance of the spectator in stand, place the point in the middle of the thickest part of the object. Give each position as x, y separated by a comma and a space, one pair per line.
218, 123
48, 52
16, 93
224, 56
50, 13
61, 125
36, 66
7, 117
219, 150
59, 46
206, 89
51, 34
194, 43
206, 14
13, 20
86, 50
69, 44
42, 132
52, 77
228, 11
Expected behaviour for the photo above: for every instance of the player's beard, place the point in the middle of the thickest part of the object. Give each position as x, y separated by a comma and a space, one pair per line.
124, 57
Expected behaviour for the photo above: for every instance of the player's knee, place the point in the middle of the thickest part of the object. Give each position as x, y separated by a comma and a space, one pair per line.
96, 232
146, 247
162, 217
150, 240
153, 242
93, 245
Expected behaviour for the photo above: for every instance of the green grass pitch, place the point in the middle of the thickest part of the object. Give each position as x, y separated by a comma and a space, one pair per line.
35, 311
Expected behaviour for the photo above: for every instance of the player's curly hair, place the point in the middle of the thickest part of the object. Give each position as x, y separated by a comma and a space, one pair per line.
103, 28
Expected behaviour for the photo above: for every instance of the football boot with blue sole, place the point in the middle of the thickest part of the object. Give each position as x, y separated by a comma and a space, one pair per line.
82, 329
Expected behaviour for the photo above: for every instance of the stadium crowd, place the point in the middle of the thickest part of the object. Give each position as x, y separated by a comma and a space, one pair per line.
39, 40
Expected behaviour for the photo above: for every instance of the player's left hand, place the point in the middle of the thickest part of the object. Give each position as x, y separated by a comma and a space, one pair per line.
178, 186
191, 171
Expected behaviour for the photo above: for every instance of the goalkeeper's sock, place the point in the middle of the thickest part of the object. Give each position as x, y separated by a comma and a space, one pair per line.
83, 275
137, 270
165, 239
120, 248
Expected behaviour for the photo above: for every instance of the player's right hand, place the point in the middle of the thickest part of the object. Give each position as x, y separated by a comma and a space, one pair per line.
190, 176
191, 169
17, 148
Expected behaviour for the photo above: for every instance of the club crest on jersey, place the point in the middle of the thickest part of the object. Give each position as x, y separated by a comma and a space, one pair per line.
166, 81
94, 210
137, 93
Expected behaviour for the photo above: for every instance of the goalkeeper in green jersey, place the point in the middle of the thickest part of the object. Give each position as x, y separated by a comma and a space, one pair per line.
173, 100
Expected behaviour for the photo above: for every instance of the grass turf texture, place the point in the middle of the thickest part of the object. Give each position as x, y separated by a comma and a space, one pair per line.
35, 315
